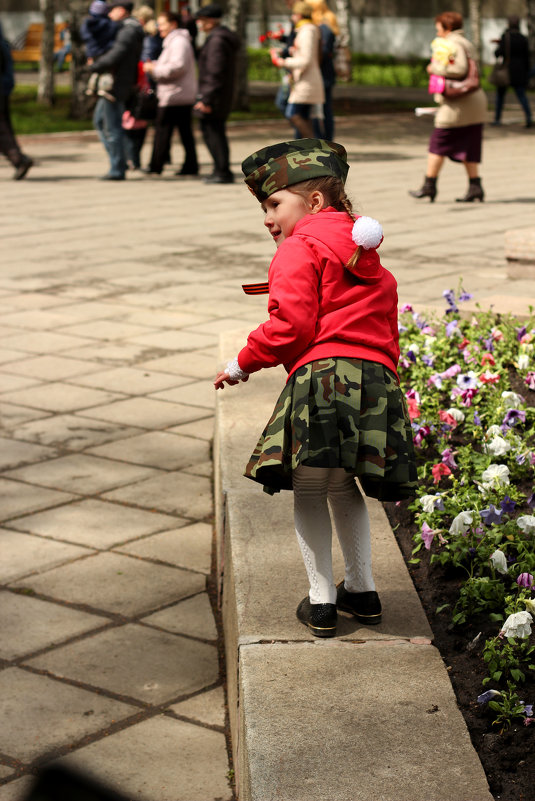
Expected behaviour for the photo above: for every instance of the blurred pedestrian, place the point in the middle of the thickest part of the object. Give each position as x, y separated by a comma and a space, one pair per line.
122, 60
98, 33
458, 130
176, 86
513, 48
152, 41
8, 144
327, 23
217, 66
307, 83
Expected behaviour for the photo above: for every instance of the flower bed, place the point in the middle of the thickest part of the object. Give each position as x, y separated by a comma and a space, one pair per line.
468, 535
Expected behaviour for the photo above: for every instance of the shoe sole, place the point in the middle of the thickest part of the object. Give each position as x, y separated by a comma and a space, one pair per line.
368, 620
319, 632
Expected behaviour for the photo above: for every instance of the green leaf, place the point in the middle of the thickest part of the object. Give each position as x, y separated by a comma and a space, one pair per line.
497, 675
517, 674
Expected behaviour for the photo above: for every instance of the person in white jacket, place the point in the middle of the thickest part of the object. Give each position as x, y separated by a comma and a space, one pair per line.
176, 88
304, 64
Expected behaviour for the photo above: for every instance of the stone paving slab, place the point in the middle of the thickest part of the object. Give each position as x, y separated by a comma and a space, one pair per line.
40, 714
82, 473
23, 554
207, 708
155, 448
28, 624
17, 498
95, 523
394, 732
136, 661
70, 431
160, 759
192, 617
115, 583
189, 546
175, 493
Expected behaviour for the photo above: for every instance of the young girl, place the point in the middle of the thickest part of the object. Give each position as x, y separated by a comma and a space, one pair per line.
333, 324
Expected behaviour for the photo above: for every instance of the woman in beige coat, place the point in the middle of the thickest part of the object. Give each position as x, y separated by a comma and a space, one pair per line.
458, 130
304, 65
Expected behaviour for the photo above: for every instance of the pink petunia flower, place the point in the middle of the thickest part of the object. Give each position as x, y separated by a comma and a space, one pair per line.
446, 417
525, 580
439, 470
414, 411
489, 378
530, 379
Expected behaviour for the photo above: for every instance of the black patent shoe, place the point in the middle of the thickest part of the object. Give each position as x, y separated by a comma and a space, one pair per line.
321, 619
365, 606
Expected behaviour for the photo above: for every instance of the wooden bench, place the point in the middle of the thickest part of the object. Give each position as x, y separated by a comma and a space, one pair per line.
32, 45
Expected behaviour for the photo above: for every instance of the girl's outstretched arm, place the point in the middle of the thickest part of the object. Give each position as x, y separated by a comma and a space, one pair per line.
231, 375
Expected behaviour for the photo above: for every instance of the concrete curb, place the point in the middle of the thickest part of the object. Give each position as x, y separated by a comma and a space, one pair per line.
368, 715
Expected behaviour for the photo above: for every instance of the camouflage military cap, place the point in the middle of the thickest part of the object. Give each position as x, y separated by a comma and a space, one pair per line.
287, 163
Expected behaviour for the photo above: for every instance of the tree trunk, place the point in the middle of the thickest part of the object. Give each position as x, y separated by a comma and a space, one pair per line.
531, 29
263, 13
80, 103
237, 11
45, 86
343, 15
475, 27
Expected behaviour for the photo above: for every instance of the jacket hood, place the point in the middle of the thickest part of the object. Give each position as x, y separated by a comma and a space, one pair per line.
333, 229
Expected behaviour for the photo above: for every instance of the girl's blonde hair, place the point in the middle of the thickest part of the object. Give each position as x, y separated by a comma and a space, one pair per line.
321, 13
334, 193
144, 14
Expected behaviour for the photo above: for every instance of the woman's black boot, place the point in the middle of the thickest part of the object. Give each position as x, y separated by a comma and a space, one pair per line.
429, 189
475, 192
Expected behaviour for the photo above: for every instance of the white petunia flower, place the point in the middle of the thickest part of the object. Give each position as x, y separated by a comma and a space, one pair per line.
511, 400
462, 522
526, 523
517, 625
495, 475
499, 562
493, 431
428, 503
523, 361
457, 415
498, 446
414, 347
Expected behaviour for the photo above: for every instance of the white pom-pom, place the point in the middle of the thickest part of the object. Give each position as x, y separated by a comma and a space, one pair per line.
367, 233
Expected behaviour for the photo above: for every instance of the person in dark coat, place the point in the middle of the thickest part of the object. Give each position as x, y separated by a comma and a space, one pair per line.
8, 144
217, 66
513, 47
121, 60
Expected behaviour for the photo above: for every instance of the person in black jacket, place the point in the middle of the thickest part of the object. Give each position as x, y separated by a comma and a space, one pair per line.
8, 144
513, 47
217, 65
121, 60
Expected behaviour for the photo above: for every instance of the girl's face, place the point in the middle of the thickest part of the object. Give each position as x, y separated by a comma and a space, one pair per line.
283, 210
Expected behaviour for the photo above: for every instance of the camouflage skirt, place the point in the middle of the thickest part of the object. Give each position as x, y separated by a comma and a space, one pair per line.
346, 413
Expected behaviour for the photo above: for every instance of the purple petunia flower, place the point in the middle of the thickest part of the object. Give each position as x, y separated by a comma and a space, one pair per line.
489, 344
520, 332
528, 709
531, 501
465, 296
525, 580
449, 459
512, 418
477, 418
428, 360
507, 505
488, 696
449, 297
452, 328
491, 515
467, 380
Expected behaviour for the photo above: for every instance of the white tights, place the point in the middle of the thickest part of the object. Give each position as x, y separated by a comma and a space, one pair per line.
312, 487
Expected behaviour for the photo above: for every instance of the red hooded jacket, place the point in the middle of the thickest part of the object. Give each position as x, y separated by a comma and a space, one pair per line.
318, 308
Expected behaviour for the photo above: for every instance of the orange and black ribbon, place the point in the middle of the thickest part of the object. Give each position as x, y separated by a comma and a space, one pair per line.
261, 288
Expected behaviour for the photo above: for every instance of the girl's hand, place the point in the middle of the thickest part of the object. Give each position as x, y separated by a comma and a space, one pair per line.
223, 378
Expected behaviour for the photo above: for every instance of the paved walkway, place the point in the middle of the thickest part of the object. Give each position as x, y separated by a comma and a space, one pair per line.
112, 298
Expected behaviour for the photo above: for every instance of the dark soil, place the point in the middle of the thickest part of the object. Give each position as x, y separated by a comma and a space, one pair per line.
508, 757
